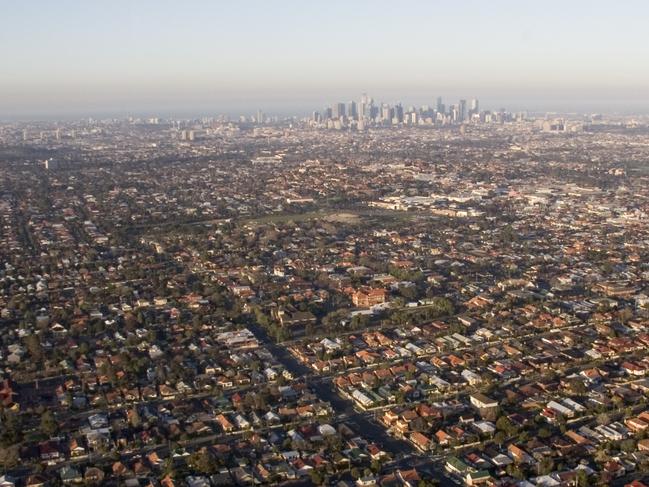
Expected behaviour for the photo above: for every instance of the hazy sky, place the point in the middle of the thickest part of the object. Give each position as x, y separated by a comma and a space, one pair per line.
189, 56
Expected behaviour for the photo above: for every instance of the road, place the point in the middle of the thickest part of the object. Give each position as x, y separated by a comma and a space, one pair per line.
404, 454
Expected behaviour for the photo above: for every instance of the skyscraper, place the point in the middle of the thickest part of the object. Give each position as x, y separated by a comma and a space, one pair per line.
338, 110
398, 113
440, 105
367, 109
352, 111
386, 113
475, 106
462, 111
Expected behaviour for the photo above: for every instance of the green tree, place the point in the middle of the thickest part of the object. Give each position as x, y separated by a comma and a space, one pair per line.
515, 471
34, 347
10, 430
545, 466
316, 477
9, 457
628, 445
49, 426
499, 438
202, 462
582, 478
544, 433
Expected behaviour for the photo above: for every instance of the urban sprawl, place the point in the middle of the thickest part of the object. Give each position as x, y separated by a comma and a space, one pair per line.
369, 296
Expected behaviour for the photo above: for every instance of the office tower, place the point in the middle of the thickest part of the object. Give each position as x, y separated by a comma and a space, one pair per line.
462, 111
374, 111
386, 113
454, 113
367, 108
338, 110
315, 116
398, 113
352, 110
260, 116
365, 102
475, 106
440, 106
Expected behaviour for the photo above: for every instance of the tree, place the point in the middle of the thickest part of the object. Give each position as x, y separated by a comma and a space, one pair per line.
628, 445
506, 426
34, 347
603, 419
582, 478
544, 433
49, 426
442, 306
499, 438
9, 457
359, 321
625, 315
545, 466
508, 234
202, 462
515, 471
316, 477
10, 430
169, 467
409, 292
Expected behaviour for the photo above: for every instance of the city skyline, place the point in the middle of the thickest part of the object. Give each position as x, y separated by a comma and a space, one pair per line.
77, 59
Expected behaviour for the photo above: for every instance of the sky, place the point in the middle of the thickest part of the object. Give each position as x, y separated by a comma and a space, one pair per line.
202, 57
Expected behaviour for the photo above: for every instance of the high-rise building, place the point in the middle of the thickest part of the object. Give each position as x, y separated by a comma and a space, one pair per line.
338, 110
462, 114
260, 116
352, 110
386, 113
475, 106
367, 109
440, 105
398, 113
454, 113
373, 111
